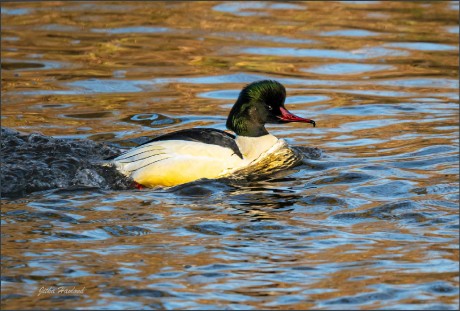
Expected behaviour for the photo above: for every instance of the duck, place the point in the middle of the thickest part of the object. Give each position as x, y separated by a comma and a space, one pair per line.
191, 154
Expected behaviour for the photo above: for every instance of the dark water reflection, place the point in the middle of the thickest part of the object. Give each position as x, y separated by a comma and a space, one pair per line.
369, 223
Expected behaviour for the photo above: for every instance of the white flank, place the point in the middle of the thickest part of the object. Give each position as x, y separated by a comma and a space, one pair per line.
173, 162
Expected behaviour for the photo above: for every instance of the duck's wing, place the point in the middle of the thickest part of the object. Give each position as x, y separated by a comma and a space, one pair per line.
141, 157
203, 135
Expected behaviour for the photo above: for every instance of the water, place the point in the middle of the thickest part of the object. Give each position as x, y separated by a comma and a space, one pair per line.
371, 223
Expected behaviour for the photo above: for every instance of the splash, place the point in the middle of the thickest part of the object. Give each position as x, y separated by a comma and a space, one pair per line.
35, 162
279, 158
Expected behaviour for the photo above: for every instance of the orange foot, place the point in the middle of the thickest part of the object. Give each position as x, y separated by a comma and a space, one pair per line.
138, 186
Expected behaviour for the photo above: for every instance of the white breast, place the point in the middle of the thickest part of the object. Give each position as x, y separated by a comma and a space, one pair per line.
253, 147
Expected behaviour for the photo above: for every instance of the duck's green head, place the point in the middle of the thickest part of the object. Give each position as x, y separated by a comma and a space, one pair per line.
259, 103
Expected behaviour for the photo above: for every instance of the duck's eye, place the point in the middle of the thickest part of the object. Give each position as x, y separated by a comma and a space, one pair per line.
270, 108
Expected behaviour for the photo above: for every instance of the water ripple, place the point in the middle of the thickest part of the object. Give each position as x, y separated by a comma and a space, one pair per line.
368, 219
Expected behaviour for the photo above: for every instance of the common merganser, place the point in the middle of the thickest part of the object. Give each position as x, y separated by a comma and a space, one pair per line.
187, 155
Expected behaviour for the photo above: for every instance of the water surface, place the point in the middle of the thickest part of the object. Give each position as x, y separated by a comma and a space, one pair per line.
371, 224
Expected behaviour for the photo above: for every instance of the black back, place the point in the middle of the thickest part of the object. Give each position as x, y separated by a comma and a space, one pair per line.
203, 135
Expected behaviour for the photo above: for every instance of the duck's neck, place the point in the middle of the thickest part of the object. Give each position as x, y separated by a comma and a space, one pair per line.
252, 147
246, 120
247, 127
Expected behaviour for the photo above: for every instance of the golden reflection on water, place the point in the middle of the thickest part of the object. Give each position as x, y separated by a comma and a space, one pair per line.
379, 78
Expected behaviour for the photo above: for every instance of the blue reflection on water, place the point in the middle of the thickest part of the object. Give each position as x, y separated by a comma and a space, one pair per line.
15, 11
134, 29
259, 37
421, 82
453, 29
349, 33
360, 54
239, 7
423, 46
346, 68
